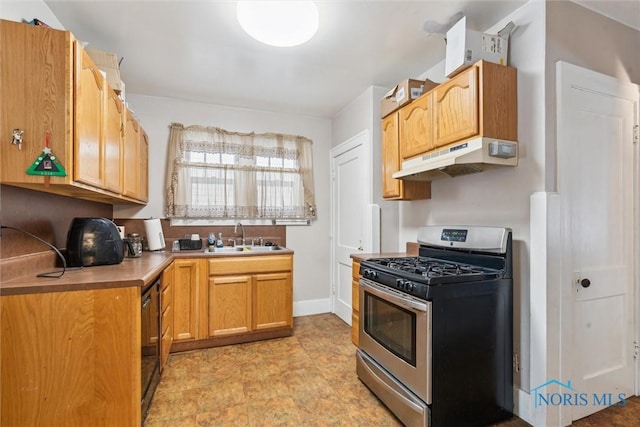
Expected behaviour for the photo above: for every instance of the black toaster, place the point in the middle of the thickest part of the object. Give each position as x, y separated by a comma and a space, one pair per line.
93, 241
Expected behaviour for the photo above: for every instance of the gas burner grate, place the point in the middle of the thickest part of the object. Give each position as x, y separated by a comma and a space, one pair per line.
431, 268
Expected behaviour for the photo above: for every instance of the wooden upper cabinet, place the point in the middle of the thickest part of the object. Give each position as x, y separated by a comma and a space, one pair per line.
88, 144
36, 78
395, 189
132, 156
50, 86
136, 159
113, 144
416, 127
143, 191
390, 156
456, 108
480, 101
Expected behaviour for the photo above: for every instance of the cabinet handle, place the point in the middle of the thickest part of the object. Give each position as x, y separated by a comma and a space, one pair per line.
146, 301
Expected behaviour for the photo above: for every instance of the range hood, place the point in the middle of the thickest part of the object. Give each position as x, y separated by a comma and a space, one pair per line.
470, 156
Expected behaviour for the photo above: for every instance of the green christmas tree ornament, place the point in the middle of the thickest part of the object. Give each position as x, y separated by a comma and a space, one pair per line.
46, 164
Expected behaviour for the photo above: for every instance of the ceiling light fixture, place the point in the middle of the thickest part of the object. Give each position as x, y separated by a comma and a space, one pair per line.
279, 23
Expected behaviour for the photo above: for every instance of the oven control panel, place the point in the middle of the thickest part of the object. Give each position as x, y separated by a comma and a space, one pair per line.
453, 235
418, 290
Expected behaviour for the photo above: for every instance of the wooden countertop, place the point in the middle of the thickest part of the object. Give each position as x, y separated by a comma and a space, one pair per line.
411, 250
130, 272
361, 257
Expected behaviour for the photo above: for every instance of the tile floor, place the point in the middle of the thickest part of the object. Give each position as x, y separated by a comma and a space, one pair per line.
307, 379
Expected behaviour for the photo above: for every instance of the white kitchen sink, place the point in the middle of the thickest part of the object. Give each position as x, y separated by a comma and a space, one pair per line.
233, 249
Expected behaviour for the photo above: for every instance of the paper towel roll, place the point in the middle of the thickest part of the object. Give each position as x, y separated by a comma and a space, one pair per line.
155, 238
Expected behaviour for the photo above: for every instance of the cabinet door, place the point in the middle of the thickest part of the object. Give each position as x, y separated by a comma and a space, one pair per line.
456, 108
185, 300
89, 104
229, 305
390, 156
166, 323
416, 127
355, 303
396, 189
272, 301
143, 190
113, 142
131, 164
75, 369
37, 93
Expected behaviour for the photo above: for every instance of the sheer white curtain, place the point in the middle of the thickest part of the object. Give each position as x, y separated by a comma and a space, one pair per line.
214, 173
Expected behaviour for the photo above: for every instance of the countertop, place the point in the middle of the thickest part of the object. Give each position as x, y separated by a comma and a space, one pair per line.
411, 250
361, 257
139, 271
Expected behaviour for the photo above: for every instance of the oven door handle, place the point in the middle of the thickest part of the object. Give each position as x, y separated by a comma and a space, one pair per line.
409, 304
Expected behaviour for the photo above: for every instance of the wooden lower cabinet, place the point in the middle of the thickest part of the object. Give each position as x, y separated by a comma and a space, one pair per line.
355, 303
230, 300
229, 305
166, 320
250, 294
188, 293
71, 358
272, 301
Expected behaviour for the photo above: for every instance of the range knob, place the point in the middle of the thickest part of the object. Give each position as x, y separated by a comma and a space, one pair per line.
370, 274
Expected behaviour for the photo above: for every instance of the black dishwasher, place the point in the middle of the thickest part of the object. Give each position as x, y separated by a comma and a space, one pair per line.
150, 344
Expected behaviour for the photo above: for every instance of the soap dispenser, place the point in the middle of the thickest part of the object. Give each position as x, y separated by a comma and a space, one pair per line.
219, 242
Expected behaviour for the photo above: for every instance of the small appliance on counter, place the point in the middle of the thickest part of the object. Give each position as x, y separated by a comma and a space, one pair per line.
94, 241
153, 230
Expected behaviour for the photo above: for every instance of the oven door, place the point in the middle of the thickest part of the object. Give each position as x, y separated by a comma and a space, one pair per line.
395, 331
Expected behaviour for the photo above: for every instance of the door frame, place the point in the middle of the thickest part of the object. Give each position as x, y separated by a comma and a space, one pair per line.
567, 73
364, 138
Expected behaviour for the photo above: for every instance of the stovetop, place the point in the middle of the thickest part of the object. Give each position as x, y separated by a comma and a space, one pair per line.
431, 270
448, 255
415, 275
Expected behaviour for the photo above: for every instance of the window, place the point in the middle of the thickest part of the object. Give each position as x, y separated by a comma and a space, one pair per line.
216, 174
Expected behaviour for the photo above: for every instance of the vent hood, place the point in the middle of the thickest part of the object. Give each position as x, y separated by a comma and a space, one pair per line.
470, 156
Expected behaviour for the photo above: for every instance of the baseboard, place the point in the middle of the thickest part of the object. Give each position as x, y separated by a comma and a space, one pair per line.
310, 307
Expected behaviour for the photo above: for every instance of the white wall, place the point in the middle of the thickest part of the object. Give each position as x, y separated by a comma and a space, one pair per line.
310, 243
363, 113
500, 197
26, 10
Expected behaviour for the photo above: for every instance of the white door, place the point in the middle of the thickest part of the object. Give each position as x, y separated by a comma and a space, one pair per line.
596, 119
350, 189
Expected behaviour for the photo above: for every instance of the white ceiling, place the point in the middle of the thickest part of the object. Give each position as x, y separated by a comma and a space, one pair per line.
195, 50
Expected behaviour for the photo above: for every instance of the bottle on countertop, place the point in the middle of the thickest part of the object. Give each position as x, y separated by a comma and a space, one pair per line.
219, 242
211, 242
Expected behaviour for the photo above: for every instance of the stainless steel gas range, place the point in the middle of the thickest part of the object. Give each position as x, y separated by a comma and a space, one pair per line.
436, 329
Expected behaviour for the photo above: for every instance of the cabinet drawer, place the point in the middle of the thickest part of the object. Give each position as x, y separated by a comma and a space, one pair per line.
258, 264
166, 299
165, 346
167, 320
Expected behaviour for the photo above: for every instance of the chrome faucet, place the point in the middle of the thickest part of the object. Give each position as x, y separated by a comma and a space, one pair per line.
235, 230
